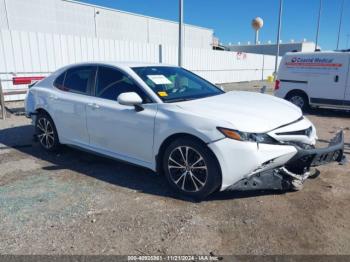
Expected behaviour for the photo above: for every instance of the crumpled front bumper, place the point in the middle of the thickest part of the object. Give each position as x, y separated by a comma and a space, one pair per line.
312, 157
296, 170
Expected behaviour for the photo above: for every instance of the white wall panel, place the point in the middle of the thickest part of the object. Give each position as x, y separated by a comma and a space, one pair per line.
26, 54
71, 18
162, 32
57, 48
8, 51
121, 26
3, 59
3, 15
224, 67
43, 53
29, 53
77, 48
90, 51
74, 19
70, 48
18, 52
34, 50
196, 37
51, 53
64, 49
50, 16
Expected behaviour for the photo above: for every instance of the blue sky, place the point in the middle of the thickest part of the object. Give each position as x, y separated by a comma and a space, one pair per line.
231, 19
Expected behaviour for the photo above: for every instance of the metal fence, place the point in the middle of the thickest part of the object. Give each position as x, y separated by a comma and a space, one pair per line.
35, 53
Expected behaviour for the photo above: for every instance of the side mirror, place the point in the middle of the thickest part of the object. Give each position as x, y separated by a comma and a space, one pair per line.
131, 99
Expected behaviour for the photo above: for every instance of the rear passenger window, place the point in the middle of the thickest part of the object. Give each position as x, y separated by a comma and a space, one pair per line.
111, 83
80, 79
59, 81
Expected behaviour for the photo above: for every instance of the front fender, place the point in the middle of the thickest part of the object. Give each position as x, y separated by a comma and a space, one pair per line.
169, 123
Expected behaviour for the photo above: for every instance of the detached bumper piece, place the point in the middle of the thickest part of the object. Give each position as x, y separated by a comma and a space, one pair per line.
296, 170
306, 158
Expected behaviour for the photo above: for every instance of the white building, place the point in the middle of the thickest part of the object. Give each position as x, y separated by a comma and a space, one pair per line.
76, 18
271, 49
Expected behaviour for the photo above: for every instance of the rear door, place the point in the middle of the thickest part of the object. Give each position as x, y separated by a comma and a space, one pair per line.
69, 103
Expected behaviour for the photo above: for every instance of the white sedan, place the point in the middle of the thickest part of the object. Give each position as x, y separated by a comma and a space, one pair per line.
172, 121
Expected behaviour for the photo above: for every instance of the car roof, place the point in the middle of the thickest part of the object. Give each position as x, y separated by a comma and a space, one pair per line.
122, 65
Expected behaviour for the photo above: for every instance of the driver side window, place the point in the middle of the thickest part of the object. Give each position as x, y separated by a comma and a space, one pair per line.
111, 83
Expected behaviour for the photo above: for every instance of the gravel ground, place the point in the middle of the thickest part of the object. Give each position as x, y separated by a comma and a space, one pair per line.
77, 203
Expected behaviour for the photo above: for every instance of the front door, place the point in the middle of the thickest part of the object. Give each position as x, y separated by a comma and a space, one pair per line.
120, 130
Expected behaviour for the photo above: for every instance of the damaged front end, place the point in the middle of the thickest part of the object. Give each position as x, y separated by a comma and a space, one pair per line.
292, 175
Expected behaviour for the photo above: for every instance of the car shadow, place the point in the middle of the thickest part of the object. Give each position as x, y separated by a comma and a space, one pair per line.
104, 169
323, 112
18, 111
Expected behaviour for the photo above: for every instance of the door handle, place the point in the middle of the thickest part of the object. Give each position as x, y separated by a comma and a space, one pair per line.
53, 97
94, 105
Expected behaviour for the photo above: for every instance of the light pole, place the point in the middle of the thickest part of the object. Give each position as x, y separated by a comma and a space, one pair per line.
340, 23
181, 18
318, 24
278, 36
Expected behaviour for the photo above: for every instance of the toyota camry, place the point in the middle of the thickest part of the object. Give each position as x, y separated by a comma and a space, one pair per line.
176, 123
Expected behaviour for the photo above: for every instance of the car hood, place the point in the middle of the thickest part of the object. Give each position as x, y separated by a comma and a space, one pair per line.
245, 111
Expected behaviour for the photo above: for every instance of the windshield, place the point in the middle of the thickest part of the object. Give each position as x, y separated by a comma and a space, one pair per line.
173, 84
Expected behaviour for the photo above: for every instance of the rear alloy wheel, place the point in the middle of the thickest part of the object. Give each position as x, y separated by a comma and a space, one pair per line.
46, 132
191, 168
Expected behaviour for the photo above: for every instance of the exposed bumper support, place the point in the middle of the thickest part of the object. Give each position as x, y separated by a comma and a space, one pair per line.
306, 158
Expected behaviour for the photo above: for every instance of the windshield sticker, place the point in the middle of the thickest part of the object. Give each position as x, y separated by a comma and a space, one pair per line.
162, 94
159, 79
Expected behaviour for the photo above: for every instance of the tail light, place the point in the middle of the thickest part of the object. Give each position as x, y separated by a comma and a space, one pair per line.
277, 84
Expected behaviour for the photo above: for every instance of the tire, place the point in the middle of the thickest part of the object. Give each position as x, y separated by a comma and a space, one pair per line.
300, 100
46, 133
195, 174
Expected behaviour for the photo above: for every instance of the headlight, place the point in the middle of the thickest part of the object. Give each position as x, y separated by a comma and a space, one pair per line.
244, 136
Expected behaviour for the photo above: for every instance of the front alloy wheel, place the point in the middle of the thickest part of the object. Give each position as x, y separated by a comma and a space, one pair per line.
187, 169
191, 168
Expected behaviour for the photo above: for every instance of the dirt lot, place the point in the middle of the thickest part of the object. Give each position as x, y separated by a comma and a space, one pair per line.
78, 203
